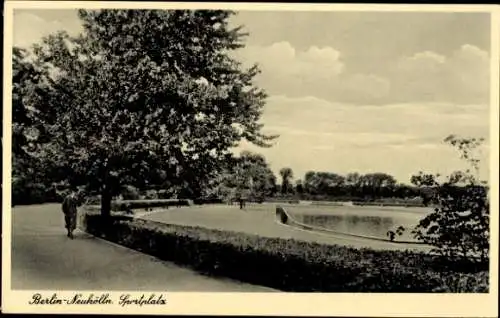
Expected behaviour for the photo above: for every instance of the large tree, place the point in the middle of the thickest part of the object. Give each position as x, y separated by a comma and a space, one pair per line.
141, 94
286, 177
247, 176
377, 184
324, 183
30, 182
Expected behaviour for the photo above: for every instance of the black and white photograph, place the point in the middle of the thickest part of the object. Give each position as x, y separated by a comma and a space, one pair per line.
261, 151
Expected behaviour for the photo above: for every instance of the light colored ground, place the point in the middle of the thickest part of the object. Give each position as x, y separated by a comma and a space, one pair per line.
44, 258
260, 219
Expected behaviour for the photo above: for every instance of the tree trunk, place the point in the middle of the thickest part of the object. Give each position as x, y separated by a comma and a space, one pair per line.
106, 195
105, 202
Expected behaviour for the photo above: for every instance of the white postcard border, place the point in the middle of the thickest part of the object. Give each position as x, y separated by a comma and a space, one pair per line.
303, 304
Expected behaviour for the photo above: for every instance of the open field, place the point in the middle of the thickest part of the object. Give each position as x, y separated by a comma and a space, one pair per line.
260, 219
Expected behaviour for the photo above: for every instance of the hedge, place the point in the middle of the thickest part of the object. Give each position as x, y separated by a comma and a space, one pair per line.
389, 203
289, 265
208, 201
124, 205
26, 193
283, 200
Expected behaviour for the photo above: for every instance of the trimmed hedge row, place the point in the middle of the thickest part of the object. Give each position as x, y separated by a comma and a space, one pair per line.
283, 200
124, 205
334, 201
27, 193
327, 203
128, 206
288, 265
376, 203
208, 201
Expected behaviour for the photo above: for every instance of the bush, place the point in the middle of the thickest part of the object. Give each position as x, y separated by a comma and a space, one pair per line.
151, 195
93, 200
25, 192
326, 203
283, 200
208, 201
290, 265
390, 203
130, 193
93, 204
123, 205
459, 226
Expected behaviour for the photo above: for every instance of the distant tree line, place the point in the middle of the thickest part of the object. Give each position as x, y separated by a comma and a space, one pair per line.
320, 185
366, 186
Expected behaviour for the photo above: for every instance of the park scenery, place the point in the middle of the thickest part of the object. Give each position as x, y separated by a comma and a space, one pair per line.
211, 150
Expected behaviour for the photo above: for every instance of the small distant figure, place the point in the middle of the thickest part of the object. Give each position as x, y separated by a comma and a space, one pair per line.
242, 203
128, 210
391, 235
69, 208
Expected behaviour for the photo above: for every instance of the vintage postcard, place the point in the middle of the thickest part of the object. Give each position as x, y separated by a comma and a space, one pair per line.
250, 159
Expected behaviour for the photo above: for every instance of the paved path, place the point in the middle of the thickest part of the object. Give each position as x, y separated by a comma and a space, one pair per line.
44, 258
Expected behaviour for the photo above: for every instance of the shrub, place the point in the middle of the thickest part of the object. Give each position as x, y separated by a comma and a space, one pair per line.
290, 265
26, 192
151, 195
123, 205
283, 200
208, 201
130, 193
390, 203
93, 200
459, 227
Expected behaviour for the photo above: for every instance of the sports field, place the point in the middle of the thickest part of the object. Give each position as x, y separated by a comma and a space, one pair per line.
260, 219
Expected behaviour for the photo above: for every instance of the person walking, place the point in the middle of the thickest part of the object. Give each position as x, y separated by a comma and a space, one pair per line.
69, 208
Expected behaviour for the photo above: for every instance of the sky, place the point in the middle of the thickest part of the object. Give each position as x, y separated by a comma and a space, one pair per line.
354, 91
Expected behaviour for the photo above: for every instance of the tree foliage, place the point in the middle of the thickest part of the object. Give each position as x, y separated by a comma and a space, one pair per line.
373, 185
247, 176
143, 98
459, 225
31, 181
286, 177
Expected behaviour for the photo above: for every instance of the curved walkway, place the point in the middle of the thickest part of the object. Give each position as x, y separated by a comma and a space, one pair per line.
44, 258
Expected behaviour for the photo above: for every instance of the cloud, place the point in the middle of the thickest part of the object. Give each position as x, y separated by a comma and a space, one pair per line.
316, 71
462, 77
30, 27
283, 65
327, 72
437, 119
470, 67
401, 139
362, 88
